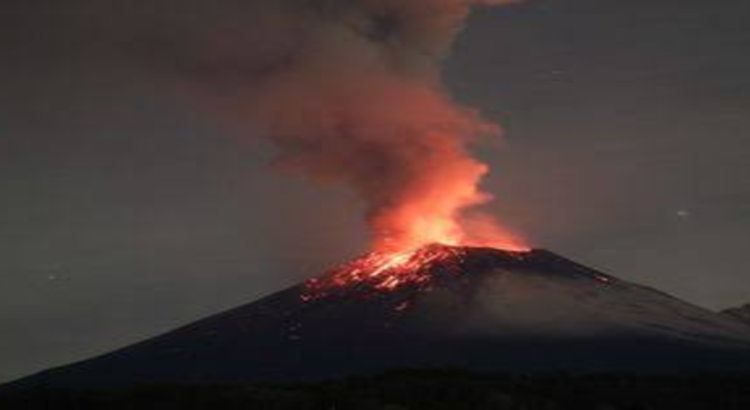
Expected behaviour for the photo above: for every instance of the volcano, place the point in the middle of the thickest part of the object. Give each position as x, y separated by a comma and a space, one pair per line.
476, 308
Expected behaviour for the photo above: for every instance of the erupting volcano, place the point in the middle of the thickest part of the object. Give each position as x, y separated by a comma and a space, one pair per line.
350, 93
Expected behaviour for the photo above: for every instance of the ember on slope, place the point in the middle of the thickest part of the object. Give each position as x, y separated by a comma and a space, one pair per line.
388, 271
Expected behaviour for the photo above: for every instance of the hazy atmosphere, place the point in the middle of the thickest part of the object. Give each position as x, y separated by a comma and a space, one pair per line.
131, 206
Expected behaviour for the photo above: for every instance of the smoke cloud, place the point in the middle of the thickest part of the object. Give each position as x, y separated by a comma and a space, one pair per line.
349, 92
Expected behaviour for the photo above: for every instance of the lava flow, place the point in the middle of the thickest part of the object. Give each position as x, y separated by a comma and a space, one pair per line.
388, 271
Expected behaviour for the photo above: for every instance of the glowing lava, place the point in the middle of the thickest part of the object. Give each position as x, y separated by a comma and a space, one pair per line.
388, 271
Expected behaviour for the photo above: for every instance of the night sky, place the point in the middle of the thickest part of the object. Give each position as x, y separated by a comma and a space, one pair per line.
128, 210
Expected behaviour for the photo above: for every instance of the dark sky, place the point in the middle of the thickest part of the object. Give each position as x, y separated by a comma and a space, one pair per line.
127, 210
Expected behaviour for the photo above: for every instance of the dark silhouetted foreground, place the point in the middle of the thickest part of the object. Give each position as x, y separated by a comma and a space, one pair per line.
424, 389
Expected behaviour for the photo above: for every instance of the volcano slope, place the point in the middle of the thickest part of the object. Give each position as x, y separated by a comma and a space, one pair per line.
480, 309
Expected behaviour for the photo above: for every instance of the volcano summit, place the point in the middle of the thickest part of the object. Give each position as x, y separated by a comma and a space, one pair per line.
441, 306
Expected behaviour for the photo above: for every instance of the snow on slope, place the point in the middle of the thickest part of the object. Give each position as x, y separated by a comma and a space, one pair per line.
741, 313
591, 304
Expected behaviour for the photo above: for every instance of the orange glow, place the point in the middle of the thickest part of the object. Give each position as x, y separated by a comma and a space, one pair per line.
440, 208
421, 226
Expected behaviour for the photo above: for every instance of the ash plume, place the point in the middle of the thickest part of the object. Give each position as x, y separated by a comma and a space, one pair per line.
350, 92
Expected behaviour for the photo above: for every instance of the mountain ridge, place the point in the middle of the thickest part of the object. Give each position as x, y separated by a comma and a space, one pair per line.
478, 308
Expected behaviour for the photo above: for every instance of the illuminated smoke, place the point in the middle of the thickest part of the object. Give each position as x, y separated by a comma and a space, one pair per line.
350, 92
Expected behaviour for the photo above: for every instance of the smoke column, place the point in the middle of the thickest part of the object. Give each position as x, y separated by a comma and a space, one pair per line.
349, 92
